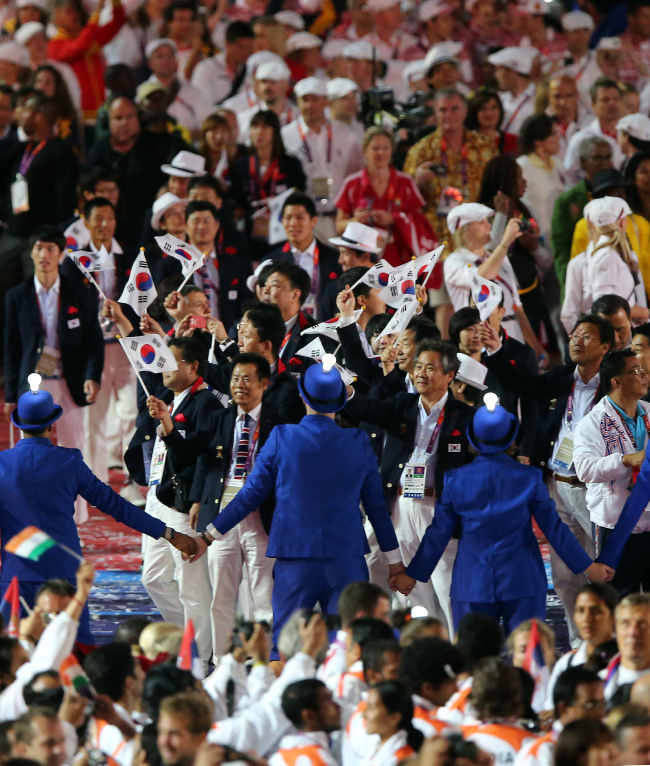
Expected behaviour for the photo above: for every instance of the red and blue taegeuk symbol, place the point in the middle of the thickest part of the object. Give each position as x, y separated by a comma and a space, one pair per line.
147, 353
407, 287
85, 261
484, 293
143, 281
71, 243
383, 278
183, 253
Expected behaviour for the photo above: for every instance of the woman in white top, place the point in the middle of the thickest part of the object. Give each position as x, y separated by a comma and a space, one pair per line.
470, 227
539, 142
389, 713
594, 618
613, 268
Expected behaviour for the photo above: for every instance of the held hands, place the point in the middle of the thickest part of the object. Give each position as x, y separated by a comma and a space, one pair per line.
345, 302
393, 571
201, 548
185, 544
599, 572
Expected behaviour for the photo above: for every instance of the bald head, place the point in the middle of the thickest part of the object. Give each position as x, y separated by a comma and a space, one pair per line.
640, 693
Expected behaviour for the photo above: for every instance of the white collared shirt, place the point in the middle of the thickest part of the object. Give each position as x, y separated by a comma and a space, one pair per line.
305, 259
425, 429
214, 79
48, 304
583, 401
254, 416
517, 108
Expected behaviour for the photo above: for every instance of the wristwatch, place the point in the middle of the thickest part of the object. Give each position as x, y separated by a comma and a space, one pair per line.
205, 539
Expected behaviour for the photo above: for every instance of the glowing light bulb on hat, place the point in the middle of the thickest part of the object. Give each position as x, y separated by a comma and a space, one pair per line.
34, 380
329, 360
491, 400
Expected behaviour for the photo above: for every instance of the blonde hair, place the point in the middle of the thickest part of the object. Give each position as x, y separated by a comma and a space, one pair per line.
161, 637
544, 633
619, 242
376, 130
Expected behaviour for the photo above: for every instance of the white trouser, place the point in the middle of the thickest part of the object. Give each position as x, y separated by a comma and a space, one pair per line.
180, 590
411, 519
571, 504
69, 431
244, 546
118, 384
375, 560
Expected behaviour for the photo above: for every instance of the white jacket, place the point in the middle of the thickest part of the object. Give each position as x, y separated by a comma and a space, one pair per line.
249, 688
577, 291
600, 442
607, 274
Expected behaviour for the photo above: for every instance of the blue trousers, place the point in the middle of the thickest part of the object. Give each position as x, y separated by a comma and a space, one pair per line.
303, 583
513, 612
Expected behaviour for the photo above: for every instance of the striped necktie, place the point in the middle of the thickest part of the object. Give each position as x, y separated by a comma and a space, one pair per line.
242, 449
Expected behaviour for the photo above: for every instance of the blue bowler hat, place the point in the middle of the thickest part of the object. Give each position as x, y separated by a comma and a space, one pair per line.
322, 387
493, 428
36, 409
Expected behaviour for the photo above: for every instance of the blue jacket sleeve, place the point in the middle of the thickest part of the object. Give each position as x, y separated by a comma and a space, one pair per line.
102, 496
556, 531
634, 506
259, 486
374, 503
435, 539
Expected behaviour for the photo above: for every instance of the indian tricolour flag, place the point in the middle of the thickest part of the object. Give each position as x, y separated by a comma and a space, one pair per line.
30, 544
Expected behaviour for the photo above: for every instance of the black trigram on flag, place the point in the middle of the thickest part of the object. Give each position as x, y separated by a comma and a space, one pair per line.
142, 299
161, 363
134, 345
142, 264
130, 287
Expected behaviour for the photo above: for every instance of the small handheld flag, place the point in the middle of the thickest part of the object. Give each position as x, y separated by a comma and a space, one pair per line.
77, 235
401, 317
191, 258
401, 284
32, 543
11, 608
188, 655
74, 679
535, 664
276, 229
149, 353
329, 328
376, 276
313, 350
487, 296
139, 292
89, 262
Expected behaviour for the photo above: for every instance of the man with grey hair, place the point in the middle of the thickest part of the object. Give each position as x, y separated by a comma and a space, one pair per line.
595, 154
449, 157
426, 435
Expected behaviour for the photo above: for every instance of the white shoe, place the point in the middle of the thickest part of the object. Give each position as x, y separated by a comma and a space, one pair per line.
131, 492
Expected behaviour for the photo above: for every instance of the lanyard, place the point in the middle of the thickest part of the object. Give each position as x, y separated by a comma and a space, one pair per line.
513, 116
434, 435
463, 154
569, 406
582, 69
308, 153
255, 181
29, 156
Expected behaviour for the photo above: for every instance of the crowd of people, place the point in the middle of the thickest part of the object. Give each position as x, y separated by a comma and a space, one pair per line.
391, 260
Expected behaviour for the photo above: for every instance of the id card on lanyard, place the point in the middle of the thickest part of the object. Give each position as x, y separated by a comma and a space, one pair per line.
19, 189
415, 473
564, 457
321, 185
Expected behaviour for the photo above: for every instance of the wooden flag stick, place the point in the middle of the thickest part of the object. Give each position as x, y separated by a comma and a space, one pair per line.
132, 363
74, 554
26, 606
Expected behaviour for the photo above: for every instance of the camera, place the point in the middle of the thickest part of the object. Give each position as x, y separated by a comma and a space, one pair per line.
247, 629
528, 225
461, 748
198, 321
332, 621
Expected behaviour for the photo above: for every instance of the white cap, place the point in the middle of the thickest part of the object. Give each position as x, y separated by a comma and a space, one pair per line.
313, 86
290, 19
361, 49
42, 4
606, 211
469, 212
155, 44
256, 59
358, 236
575, 20
15, 53
636, 125
301, 41
374, 6
25, 32
471, 372
333, 49
432, 8
185, 165
273, 70
534, 7
340, 86
441, 53
609, 44
518, 59
251, 282
162, 205
414, 70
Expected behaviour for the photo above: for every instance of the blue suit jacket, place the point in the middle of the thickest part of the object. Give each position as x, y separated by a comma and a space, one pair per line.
319, 473
40, 483
492, 501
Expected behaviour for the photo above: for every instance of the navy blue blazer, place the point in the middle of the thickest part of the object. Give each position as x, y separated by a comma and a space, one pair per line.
491, 503
40, 483
319, 473
80, 338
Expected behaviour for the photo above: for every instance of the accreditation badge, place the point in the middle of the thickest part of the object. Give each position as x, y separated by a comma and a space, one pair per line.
321, 188
48, 361
157, 463
230, 489
414, 480
19, 195
564, 457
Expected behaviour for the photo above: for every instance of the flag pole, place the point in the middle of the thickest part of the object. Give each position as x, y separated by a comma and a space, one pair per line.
26, 606
88, 275
74, 554
135, 369
184, 282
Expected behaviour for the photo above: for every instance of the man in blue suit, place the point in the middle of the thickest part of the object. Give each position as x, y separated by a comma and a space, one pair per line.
319, 473
499, 569
40, 483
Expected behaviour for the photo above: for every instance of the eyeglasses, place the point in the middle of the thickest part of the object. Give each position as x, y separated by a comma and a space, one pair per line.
635, 371
584, 337
593, 704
